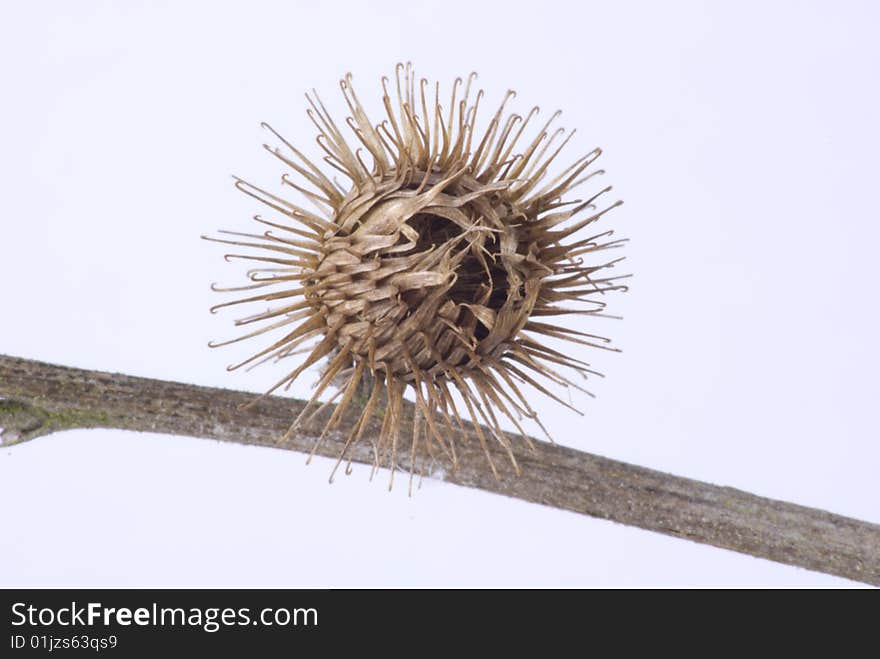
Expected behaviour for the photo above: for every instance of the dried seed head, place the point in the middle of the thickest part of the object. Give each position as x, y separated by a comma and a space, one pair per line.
434, 268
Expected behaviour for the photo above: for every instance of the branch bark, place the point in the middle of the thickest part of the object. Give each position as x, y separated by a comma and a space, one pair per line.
37, 399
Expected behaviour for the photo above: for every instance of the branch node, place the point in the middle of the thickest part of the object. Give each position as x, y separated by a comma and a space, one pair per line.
21, 422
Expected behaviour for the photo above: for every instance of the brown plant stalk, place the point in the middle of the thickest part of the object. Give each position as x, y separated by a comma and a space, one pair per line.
44, 398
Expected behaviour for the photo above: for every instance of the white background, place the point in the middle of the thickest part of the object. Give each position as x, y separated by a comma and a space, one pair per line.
743, 137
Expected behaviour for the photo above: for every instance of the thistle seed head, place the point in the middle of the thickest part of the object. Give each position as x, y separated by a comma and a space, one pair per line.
438, 265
